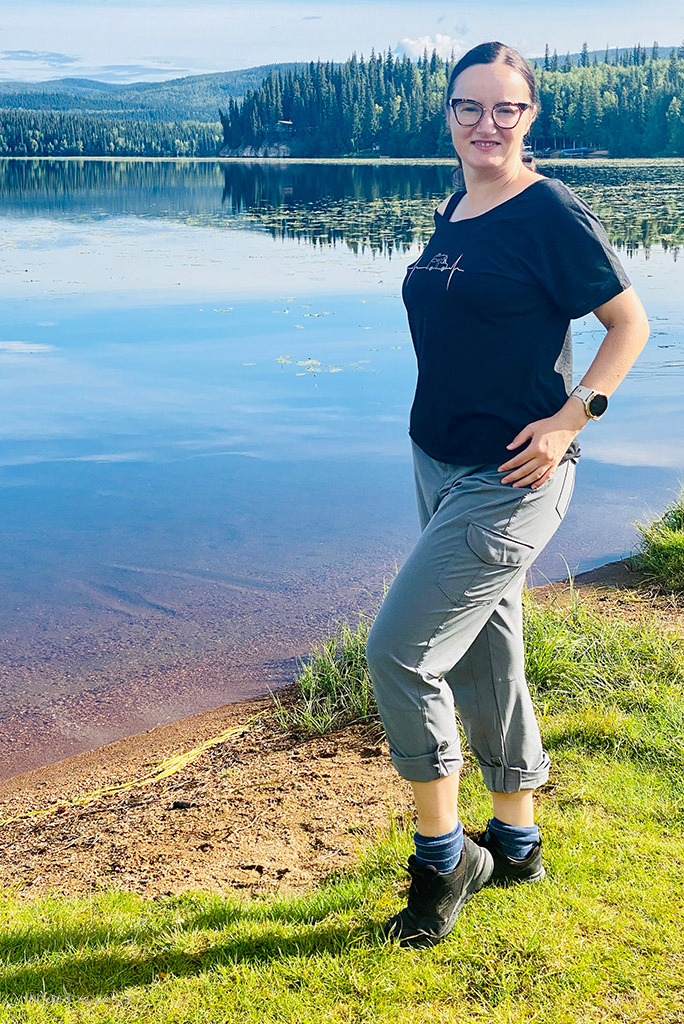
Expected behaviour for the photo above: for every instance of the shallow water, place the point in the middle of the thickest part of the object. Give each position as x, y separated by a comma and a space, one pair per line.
205, 377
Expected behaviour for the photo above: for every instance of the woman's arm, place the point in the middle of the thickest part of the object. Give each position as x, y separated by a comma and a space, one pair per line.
627, 332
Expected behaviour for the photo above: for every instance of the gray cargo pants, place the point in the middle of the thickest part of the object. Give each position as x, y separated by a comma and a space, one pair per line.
449, 632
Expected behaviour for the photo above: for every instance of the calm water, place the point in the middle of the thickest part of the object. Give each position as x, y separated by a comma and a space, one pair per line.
205, 378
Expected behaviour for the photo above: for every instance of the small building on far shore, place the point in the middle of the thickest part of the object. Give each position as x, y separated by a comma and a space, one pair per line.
574, 153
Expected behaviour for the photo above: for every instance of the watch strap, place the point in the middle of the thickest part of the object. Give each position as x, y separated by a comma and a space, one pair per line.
582, 392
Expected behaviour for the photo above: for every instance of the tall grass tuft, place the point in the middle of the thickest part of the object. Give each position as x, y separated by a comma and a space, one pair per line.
576, 658
660, 558
579, 655
334, 686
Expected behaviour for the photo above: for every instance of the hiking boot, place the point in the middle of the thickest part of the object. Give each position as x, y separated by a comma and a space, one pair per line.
435, 899
508, 871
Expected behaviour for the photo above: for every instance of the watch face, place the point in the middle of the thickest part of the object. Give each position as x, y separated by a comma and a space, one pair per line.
598, 405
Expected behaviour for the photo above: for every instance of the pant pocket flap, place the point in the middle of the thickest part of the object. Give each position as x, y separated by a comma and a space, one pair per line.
496, 548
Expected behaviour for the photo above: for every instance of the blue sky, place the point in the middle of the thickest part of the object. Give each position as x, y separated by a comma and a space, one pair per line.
124, 41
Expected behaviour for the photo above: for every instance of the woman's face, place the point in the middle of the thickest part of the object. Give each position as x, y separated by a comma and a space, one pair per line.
485, 145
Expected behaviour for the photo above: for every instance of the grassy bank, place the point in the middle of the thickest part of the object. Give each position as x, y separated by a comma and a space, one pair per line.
601, 939
660, 559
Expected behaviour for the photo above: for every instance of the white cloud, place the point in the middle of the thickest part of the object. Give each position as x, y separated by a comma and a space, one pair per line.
46, 57
24, 346
444, 45
636, 453
113, 37
38, 66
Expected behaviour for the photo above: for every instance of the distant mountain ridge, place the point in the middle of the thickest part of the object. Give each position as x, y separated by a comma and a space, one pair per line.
193, 98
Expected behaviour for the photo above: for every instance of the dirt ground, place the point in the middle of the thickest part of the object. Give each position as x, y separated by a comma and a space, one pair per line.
257, 810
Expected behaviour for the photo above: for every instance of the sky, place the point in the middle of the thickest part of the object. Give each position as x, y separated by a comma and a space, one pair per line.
125, 41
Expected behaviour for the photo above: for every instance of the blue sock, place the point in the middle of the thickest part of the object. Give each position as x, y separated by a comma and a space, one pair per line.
515, 841
444, 852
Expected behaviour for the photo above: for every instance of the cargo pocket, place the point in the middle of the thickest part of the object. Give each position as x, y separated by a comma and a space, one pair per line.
500, 557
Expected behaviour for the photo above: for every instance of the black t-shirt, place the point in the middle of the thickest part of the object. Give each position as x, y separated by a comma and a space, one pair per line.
489, 305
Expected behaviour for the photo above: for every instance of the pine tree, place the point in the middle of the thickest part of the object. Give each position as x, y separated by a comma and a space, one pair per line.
675, 122
673, 72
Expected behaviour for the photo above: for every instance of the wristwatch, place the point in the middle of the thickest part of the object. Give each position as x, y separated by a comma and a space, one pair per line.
595, 402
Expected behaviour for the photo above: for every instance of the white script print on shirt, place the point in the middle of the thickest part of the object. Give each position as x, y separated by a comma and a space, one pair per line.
439, 262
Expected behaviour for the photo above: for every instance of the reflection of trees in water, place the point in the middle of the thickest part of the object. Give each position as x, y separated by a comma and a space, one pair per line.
382, 207
109, 187
385, 207
250, 185
641, 204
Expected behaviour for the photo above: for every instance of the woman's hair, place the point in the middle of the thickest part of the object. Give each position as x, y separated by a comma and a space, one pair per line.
494, 53
491, 53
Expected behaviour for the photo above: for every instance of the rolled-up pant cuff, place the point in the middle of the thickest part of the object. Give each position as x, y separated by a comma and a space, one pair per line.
445, 759
500, 778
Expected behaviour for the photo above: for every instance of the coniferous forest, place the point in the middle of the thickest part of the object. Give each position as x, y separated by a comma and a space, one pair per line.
31, 133
627, 103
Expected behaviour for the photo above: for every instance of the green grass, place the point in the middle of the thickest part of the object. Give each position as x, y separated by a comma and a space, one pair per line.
660, 558
602, 683
333, 686
600, 940
601, 666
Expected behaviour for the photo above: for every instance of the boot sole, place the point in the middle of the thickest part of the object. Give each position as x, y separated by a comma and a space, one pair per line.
507, 880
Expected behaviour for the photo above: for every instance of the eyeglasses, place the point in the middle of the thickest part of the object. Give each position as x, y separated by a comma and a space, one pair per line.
505, 115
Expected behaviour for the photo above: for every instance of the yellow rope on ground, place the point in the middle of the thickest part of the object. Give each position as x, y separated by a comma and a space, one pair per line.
162, 771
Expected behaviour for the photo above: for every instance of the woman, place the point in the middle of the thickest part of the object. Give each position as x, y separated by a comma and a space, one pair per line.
514, 257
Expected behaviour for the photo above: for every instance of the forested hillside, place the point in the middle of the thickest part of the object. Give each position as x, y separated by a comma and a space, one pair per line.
630, 106
29, 133
628, 103
193, 98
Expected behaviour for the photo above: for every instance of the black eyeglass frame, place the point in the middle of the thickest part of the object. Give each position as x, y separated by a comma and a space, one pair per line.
522, 107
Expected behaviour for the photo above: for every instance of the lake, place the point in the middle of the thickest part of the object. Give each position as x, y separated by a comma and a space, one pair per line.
205, 374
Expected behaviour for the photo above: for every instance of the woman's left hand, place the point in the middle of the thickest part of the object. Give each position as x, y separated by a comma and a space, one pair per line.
534, 465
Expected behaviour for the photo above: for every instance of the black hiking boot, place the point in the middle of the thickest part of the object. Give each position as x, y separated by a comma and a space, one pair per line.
435, 899
508, 871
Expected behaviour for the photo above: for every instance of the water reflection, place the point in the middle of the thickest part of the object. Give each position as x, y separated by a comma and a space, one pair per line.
205, 377
383, 206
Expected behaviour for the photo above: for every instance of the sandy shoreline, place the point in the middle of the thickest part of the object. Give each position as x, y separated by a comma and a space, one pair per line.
157, 743
224, 800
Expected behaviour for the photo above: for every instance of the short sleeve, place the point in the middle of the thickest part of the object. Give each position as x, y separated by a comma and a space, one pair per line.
578, 265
